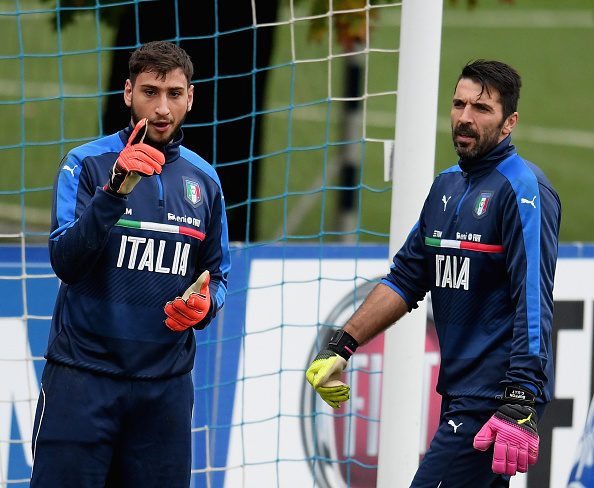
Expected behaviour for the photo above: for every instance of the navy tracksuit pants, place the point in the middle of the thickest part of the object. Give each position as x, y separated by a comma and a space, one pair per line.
451, 460
97, 431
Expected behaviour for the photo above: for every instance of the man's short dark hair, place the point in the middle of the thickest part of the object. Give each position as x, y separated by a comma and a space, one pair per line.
160, 57
497, 75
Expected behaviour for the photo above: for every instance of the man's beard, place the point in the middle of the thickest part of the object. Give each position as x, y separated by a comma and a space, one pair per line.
483, 145
151, 142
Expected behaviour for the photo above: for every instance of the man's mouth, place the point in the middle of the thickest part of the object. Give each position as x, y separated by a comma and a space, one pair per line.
465, 136
161, 126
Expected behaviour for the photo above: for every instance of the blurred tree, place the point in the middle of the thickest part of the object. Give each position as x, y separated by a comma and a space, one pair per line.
350, 18
223, 126
231, 60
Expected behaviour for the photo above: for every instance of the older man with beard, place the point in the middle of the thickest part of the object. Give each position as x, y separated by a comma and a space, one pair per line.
485, 247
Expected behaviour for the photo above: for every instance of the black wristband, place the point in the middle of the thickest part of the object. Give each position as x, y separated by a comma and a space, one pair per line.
343, 344
519, 394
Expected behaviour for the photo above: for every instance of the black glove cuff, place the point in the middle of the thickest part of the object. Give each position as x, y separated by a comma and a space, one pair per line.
523, 416
113, 192
343, 344
519, 394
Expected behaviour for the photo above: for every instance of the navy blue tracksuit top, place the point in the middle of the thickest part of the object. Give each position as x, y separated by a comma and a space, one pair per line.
485, 247
122, 259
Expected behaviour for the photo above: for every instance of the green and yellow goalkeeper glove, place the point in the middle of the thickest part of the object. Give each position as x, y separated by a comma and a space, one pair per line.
327, 367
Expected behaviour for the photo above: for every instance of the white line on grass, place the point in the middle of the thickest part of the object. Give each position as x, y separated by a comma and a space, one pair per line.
43, 89
512, 18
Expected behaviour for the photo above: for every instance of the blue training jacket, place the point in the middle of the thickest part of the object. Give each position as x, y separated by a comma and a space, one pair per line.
485, 247
122, 259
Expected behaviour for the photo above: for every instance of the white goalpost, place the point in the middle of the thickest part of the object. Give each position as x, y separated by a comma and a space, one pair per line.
413, 172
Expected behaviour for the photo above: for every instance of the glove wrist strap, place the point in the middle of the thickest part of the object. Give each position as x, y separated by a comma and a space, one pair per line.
343, 344
113, 192
519, 394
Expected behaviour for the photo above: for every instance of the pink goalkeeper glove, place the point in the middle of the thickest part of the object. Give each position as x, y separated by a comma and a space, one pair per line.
513, 429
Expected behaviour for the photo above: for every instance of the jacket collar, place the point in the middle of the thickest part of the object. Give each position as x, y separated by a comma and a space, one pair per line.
171, 150
499, 153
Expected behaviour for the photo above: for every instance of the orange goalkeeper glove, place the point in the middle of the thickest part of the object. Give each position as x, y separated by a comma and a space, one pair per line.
189, 309
137, 159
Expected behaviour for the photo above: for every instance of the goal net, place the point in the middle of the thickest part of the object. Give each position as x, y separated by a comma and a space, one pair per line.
294, 100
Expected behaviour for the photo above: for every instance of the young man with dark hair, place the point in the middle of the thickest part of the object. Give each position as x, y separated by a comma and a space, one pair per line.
485, 247
139, 240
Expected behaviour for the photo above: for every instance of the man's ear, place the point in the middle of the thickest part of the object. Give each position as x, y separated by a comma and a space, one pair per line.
190, 97
128, 93
509, 124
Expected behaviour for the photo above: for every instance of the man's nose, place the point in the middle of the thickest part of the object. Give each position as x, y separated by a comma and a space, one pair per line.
466, 116
163, 106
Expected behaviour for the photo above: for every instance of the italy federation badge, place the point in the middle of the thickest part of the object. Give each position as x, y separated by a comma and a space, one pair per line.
192, 192
482, 204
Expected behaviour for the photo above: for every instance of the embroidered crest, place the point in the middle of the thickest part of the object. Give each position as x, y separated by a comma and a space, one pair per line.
482, 204
193, 192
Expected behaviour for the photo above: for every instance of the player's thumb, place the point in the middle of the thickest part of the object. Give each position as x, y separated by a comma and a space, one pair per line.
199, 299
204, 290
484, 438
139, 132
198, 286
